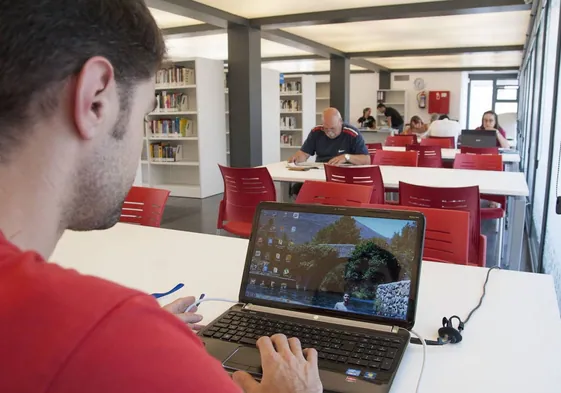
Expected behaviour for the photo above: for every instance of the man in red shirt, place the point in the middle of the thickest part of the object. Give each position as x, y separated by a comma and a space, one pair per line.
76, 79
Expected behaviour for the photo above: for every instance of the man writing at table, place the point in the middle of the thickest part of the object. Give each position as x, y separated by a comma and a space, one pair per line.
334, 142
76, 80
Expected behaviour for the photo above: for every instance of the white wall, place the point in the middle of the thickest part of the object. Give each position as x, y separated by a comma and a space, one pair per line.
362, 93
450, 81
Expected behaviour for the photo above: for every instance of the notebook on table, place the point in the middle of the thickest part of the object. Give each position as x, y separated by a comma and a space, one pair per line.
342, 280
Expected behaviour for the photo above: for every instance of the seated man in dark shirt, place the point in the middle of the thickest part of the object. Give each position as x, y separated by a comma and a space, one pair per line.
394, 119
334, 142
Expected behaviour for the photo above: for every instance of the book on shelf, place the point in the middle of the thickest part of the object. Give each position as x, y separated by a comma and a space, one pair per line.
175, 76
290, 105
172, 102
177, 127
291, 87
288, 122
165, 152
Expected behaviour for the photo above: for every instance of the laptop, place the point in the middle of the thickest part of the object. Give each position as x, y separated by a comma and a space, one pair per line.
478, 138
342, 280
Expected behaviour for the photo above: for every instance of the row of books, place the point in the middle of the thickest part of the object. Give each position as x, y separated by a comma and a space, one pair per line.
175, 76
172, 102
291, 87
290, 105
177, 127
165, 152
288, 122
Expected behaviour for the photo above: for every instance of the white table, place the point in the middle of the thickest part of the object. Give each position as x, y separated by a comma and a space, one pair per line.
511, 345
450, 154
511, 184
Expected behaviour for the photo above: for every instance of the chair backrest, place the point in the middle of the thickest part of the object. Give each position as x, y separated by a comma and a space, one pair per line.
365, 176
479, 150
481, 162
335, 194
461, 198
401, 140
446, 142
244, 189
372, 147
144, 206
395, 158
446, 233
429, 156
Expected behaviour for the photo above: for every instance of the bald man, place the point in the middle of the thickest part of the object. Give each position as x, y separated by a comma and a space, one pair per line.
334, 142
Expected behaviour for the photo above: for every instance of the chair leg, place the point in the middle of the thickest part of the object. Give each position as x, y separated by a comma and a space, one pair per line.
500, 241
498, 225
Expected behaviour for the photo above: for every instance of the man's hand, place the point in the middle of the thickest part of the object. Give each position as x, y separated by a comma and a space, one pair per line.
286, 368
178, 308
337, 160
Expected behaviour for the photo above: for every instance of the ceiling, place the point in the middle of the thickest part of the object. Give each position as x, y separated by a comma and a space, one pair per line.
463, 35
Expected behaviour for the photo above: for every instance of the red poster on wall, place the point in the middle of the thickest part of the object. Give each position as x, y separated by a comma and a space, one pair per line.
439, 102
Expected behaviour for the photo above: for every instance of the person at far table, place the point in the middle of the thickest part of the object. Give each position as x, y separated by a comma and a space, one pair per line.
334, 142
416, 126
367, 121
490, 122
444, 127
393, 117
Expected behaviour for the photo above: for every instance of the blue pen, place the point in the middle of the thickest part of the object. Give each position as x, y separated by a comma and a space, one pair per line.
174, 289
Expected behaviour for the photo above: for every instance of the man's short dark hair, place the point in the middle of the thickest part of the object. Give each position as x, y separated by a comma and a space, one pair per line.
443, 117
44, 42
380, 105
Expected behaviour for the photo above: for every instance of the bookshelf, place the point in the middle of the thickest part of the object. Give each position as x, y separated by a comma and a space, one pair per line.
184, 140
322, 99
297, 112
396, 99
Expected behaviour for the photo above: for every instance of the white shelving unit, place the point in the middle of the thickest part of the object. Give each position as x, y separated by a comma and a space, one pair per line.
191, 148
396, 99
322, 98
297, 112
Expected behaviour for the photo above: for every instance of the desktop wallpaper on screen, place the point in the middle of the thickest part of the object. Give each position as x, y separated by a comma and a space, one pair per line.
350, 264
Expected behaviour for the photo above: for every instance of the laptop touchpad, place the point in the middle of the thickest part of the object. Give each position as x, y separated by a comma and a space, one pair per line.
245, 359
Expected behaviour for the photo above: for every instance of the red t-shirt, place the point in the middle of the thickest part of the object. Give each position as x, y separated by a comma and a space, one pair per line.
62, 332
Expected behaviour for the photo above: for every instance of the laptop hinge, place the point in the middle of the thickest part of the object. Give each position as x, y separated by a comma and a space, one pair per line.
323, 318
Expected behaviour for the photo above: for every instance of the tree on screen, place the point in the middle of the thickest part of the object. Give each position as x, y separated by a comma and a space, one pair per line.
368, 266
342, 231
402, 245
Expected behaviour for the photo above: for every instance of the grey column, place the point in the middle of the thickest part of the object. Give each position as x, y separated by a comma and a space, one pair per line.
385, 80
244, 84
339, 85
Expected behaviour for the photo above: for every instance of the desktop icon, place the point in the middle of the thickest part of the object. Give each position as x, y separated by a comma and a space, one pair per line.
296, 215
283, 287
277, 257
275, 270
270, 241
272, 284
293, 229
252, 281
286, 272
288, 258
257, 253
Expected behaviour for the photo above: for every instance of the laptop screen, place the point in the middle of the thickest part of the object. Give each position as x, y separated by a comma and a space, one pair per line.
339, 263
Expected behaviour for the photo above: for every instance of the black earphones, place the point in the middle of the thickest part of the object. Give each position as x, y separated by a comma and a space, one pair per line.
448, 333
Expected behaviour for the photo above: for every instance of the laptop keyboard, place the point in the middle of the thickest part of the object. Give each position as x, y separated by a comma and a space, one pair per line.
337, 349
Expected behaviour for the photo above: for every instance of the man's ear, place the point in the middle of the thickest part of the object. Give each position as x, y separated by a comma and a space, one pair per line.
95, 97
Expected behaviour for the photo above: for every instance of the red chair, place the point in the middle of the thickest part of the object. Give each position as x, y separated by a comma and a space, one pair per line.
429, 156
401, 140
244, 189
395, 158
444, 142
479, 150
372, 147
144, 206
487, 162
446, 233
366, 176
335, 194
461, 198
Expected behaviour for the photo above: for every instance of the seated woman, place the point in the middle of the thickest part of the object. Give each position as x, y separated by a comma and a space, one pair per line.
367, 121
416, 126
490, 122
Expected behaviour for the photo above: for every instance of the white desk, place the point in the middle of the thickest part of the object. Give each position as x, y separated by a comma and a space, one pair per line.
511, 345
511, 184
450, 154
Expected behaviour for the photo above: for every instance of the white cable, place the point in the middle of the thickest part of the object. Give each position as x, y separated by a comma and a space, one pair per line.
215, 299
424, 358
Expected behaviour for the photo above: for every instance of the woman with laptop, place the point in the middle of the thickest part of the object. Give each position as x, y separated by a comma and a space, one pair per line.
490, 122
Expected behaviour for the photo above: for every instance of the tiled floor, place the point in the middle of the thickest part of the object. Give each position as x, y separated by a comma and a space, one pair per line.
200, 215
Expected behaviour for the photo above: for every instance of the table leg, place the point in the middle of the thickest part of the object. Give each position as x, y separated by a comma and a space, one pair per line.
517, 210
283, 191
